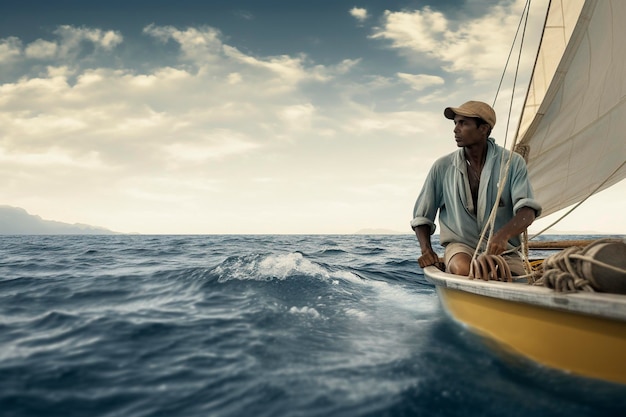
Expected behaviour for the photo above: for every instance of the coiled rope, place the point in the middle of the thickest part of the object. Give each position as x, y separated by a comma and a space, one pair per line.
564, 271
561, 273
490, 267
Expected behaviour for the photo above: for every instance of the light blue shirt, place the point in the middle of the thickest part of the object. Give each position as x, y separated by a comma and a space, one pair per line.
447, 191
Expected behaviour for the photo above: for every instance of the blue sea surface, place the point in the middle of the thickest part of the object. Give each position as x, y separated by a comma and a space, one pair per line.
323, 325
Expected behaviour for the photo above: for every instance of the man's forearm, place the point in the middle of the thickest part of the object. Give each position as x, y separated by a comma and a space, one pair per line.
423, 237
520, 222
428, 256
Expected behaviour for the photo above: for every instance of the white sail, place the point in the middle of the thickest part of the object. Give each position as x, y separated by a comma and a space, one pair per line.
573, 126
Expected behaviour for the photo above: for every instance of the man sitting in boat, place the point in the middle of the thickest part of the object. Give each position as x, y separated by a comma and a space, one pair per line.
463, 187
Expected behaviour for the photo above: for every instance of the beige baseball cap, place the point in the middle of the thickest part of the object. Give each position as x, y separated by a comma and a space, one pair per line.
473, 109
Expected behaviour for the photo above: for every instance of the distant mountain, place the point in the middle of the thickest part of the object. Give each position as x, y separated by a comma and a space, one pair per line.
17, 221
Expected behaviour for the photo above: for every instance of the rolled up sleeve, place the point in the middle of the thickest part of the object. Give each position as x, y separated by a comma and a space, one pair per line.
521, 190
427, 203
530, 203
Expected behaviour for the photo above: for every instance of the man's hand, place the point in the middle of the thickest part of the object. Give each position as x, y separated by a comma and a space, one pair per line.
498, 242
428, 258
497, 245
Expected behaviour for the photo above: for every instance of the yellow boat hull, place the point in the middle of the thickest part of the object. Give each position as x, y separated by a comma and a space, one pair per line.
586, 344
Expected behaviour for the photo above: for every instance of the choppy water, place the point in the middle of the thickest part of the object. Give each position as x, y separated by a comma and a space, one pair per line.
251, 326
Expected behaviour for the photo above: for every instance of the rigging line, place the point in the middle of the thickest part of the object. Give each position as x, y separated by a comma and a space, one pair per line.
505, 171
506, 65
595, 190
532, 72
489, 225
519, 59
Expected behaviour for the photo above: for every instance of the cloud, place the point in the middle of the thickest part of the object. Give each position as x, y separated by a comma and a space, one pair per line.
104, 39
52, 158
244, 14
72, 38
234, 78
197, 44
418, 31
470, 47
215, 103
201, 118
10, 48
419, 82
41, 49
359, 14
289, 69
195, 134
70, 43
212, 145
397, 123
298, 116
205, 48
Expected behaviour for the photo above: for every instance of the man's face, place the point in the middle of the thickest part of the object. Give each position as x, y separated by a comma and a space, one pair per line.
467, 132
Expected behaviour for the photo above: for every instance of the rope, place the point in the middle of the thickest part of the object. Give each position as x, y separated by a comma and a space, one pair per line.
490, 267
532, 275
563, 271
489, 225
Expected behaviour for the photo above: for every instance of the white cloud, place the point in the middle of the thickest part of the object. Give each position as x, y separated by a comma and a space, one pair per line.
234, 78
110, 131
289, 69
471, 46
298, 116
419, 31
359, 14
52, 158
10, 48
32, 94
165, 118
198, 44
41, 49
205, 48
345, 66
222, 140
419, 82
69, 44
213, 145
72, 37
399, 123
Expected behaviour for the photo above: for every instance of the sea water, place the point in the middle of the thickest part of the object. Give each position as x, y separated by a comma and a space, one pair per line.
344, 325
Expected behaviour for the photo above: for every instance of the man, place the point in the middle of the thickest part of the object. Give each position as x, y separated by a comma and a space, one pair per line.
463, 187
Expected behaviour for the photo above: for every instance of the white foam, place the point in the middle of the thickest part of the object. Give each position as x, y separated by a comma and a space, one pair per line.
283, 265
309, 311
360, 314
275, 266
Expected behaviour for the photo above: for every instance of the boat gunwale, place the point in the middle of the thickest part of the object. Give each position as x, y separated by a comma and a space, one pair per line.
606, 305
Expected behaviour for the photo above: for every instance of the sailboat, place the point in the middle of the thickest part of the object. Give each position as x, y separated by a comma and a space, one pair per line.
572, 133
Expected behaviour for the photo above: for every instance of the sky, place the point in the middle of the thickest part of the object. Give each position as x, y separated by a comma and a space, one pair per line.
250, 117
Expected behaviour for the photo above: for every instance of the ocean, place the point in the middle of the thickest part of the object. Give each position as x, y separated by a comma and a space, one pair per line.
229, 326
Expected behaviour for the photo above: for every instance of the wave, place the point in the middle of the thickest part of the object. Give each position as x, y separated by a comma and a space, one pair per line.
240, 325
267, 267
